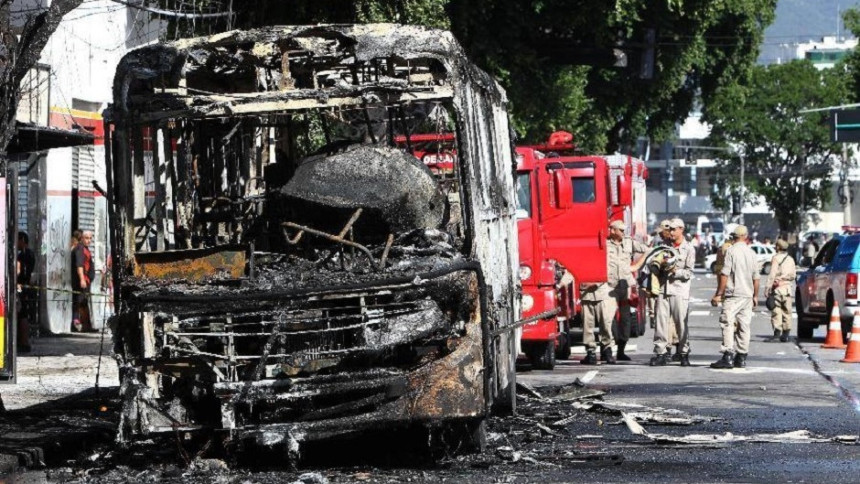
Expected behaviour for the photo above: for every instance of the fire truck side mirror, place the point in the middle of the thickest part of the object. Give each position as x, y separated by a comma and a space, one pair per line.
562, 189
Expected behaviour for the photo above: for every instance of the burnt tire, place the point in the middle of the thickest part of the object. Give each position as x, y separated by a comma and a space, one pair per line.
542, 355
456, 438
562, 351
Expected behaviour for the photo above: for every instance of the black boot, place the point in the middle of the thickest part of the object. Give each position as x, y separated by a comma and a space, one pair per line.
620, 355
724, 363
685, 359
677, 355
590, 358
784, 336
740, 360
659, 360
777, 336
606, 355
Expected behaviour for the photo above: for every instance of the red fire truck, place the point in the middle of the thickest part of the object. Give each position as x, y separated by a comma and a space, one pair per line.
565, 204
436, 150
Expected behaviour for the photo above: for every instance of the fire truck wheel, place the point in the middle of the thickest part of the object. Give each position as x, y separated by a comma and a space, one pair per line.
542, 355
562, 351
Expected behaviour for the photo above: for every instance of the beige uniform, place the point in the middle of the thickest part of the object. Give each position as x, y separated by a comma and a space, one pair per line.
598, 310
780, 281
741, 270
620, 255
674, 301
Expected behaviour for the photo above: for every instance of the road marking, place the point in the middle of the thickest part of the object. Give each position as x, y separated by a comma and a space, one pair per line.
700, 313
794, 371
588, 376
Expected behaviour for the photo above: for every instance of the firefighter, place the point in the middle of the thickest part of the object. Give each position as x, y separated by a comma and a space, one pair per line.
621, 250
737, 289
674, 299
664, 240
600, 302
780, 282
661, 239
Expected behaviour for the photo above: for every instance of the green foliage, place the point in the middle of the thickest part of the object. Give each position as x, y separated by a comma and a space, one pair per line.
852, 23
702, 46
787, 154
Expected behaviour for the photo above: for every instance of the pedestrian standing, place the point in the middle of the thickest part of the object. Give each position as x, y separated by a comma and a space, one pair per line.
674, 300
809, 251
25, 262
737, 290
75, 240
780, 283
82, 277
622, 250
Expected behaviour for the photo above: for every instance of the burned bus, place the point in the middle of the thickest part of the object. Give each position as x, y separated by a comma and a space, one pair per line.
286, 269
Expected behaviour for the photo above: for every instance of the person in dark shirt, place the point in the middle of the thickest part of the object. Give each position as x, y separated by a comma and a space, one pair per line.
25, 261
82, 277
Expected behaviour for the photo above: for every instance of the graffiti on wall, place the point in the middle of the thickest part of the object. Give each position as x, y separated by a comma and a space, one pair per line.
59, 263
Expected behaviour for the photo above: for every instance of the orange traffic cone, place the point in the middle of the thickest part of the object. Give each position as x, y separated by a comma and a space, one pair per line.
834, 330
852, 354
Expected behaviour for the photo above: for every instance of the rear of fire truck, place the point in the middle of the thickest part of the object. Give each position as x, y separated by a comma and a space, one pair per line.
288, 271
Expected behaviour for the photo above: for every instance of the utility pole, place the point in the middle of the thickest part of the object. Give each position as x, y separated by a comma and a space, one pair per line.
741, 202
845, 197
802, 198
669, 183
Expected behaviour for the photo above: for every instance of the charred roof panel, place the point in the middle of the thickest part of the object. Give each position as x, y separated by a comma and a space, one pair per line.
291, 63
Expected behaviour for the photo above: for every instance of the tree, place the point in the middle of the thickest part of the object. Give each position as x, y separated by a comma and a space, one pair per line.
19, 55
787, 153
554, 57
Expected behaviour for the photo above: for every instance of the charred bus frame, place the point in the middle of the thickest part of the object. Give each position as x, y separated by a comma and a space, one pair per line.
284, 271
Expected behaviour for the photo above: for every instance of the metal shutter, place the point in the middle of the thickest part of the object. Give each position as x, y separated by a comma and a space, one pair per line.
83, 174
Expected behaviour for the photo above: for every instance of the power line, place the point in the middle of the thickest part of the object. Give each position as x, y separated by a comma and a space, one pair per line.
171, 13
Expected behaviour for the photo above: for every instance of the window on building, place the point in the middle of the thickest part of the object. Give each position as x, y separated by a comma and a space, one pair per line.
656, 179
682, 180
704, 180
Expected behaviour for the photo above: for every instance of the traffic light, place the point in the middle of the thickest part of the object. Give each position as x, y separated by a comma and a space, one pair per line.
736, 204
688, 156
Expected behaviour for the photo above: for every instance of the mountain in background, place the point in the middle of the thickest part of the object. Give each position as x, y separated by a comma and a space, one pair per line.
802, 21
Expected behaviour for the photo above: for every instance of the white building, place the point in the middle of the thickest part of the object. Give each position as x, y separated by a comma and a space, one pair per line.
66, 93
677, 187
824, 53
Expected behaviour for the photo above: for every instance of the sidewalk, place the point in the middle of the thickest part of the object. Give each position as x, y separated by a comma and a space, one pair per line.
60, 366
54, 412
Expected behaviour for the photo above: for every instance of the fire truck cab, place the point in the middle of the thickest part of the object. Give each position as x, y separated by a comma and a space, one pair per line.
564, 207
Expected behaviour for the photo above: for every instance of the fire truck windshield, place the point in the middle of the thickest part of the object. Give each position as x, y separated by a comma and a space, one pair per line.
524, 195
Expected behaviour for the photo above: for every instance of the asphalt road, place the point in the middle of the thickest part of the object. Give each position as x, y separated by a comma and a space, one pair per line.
786, 387
792, 415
